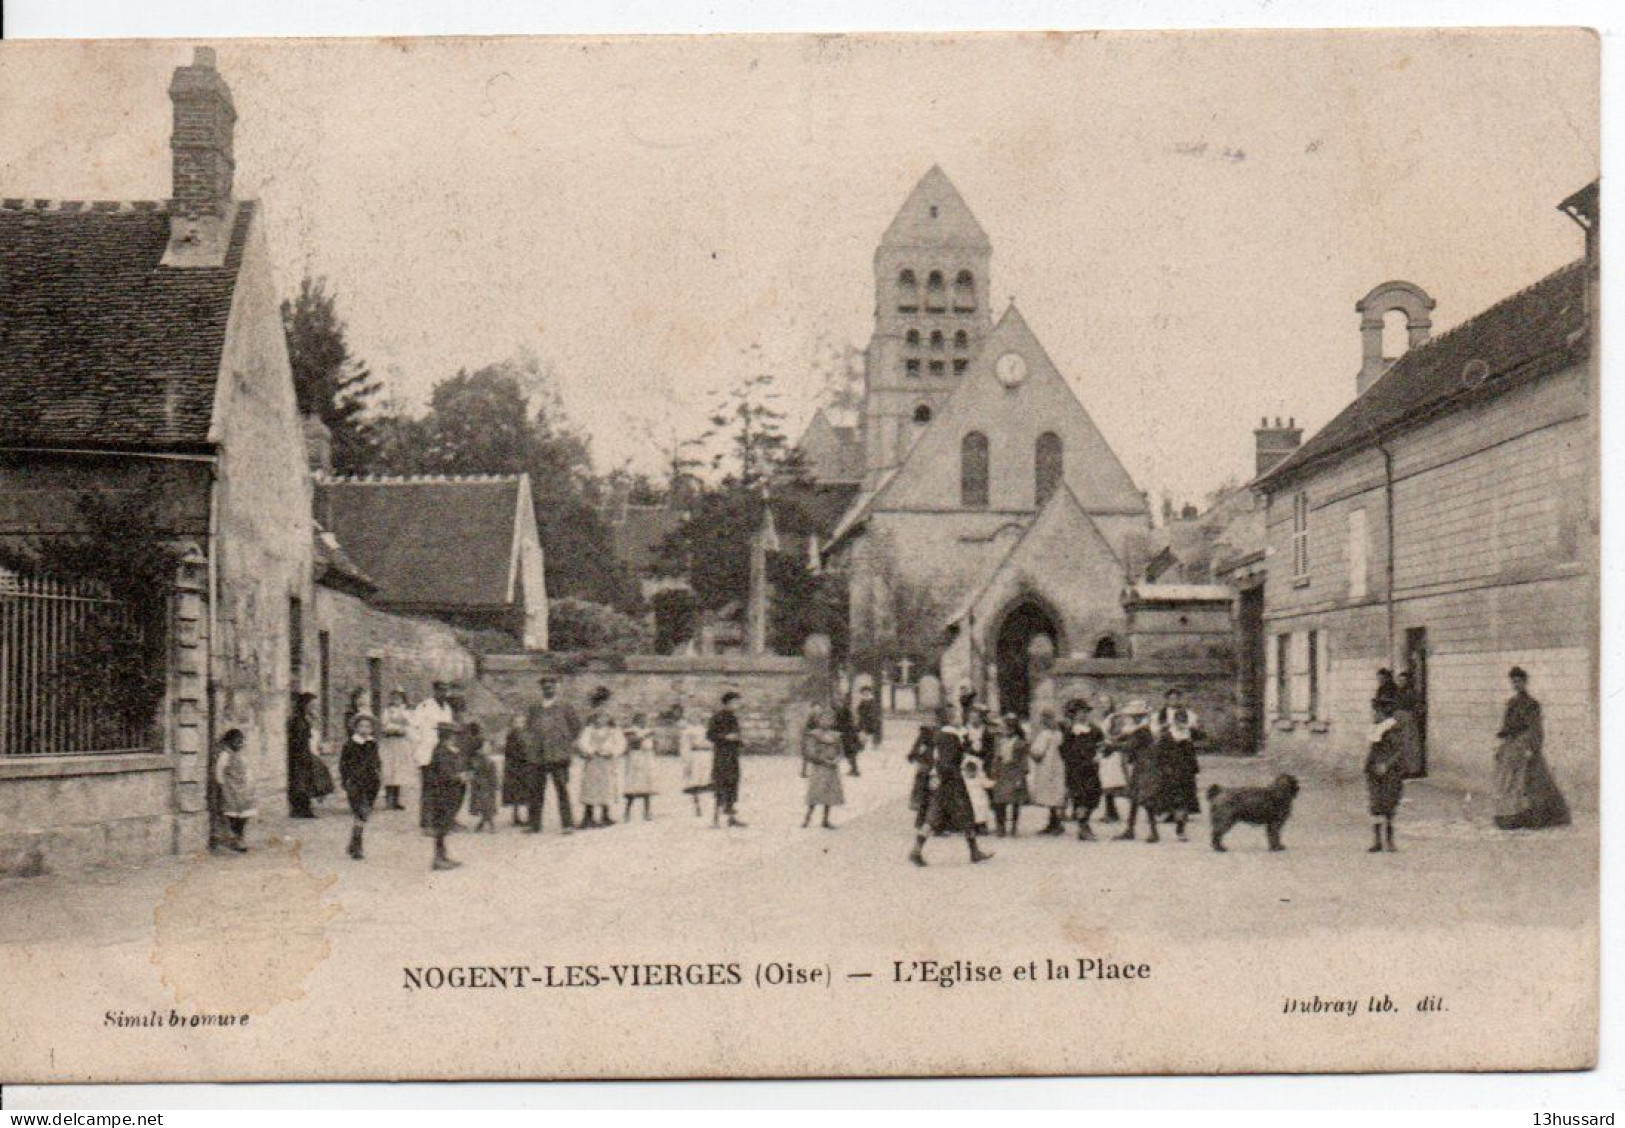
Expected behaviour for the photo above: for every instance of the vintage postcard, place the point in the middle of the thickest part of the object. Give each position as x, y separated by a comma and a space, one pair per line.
799, 556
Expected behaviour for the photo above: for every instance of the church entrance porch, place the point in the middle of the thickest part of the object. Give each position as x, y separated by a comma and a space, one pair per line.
1024, 648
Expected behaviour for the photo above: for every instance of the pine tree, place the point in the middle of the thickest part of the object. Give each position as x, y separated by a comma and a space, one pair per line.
328, 381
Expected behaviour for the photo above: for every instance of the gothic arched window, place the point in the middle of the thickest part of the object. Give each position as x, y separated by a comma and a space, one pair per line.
934, 290
1047, 466
973, 471
922, 414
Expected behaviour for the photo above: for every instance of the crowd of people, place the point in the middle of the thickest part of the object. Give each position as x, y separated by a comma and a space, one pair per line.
974, 774
613, 764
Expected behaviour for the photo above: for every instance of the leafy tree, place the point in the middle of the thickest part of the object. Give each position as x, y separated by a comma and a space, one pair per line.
676, 618
505, 419
581, 624
328, 381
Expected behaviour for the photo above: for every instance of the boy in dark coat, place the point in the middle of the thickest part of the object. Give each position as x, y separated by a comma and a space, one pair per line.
443, 789
360, 772
726, 737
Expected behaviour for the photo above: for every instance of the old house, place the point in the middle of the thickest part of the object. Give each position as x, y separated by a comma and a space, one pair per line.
1444, 525
980, 463
462, 550
141, 349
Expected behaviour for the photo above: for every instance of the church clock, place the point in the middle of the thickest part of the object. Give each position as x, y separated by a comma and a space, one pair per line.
1011, 369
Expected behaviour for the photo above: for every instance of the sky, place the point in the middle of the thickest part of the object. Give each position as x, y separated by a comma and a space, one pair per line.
1185, 219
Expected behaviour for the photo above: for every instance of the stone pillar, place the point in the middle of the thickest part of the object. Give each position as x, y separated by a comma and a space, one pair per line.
188, 715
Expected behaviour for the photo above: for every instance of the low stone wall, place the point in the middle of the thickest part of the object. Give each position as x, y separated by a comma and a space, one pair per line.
1209, 687
775, 691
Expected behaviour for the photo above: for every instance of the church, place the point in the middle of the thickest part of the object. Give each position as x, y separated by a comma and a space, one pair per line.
992, 530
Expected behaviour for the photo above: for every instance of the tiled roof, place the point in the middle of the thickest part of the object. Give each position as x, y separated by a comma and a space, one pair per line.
333, 566
427, 542
101, 345
1537, 331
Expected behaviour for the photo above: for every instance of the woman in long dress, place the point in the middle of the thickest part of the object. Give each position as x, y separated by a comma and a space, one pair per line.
821, 752
395, 749
950, 809
1526, 795
694, 753
600, 748
1046, 786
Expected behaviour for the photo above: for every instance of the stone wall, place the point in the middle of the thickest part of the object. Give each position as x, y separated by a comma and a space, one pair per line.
775, 691
408, 652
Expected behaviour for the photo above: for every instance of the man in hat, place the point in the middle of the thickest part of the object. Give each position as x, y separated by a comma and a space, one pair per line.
547, 744
727, 741
869, 719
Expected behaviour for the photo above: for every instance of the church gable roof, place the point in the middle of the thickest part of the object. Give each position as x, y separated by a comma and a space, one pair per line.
1012, 417
935, 215
1062, 549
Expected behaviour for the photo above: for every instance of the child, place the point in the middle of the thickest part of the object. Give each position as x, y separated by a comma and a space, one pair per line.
1009, 776
921, 755
1147, 785
1384, 773
694, 751
231, 776
1079, 746
395, 750
1047, 787
978, 785
484, 781
821, 752
600, 747
1113, 767
443, 789
359, 773
640, 766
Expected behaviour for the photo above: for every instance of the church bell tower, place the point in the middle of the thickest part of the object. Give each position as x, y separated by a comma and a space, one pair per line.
931, 316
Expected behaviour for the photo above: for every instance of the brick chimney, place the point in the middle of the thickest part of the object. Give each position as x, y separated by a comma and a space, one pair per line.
1274, 442
200, 144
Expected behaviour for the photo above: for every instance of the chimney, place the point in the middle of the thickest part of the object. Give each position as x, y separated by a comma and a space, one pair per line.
1273, 443
318, 446
200, 144
1390, 297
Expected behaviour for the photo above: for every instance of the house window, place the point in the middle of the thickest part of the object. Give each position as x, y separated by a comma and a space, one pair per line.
1358, 554
936, 368
324, 679
1047, 466
922, 414
1312, 644
1283, 675
1106, 647
296, 642
912, 338
911, 366
973, 471
961, 340
1300, 538
936, 340
960, 365
934, 290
